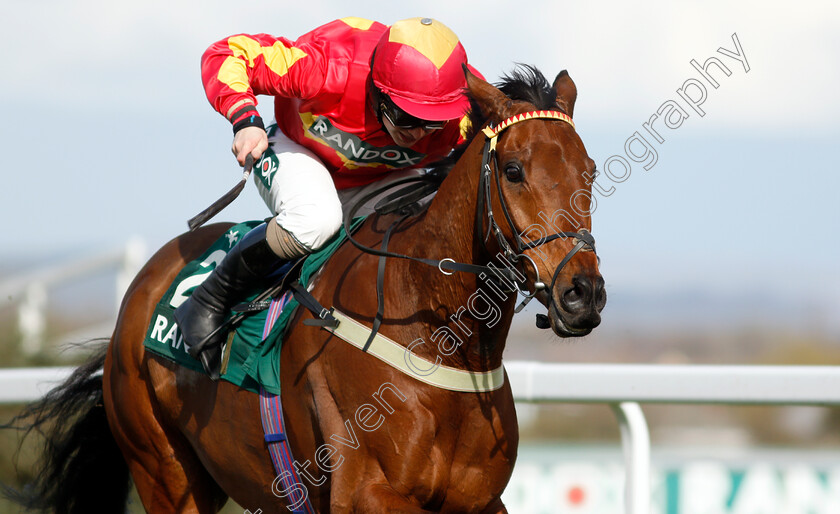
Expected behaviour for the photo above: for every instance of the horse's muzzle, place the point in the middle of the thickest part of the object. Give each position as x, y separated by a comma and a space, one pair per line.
576, 307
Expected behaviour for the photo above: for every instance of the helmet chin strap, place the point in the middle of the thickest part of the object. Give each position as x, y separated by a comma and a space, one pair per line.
374, 96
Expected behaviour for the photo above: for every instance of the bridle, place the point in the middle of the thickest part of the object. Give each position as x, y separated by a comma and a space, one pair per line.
584, 240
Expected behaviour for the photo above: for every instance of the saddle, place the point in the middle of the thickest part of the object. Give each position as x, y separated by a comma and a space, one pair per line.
255, 327
251, 354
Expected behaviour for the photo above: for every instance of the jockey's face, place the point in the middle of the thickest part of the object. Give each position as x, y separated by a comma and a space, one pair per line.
405, 137
405, 129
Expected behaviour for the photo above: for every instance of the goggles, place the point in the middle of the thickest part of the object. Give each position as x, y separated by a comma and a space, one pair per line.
402, 120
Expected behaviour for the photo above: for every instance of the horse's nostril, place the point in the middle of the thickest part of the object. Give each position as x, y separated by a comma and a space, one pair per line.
583, 293
573, 295
574, 298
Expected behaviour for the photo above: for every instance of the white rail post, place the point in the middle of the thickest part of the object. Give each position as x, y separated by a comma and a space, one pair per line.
134, 257
32, 318
635, 438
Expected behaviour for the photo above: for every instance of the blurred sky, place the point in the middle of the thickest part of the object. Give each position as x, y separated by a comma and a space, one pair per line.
108, 134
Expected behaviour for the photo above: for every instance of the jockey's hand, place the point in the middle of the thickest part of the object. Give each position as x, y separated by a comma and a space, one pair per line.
249, 140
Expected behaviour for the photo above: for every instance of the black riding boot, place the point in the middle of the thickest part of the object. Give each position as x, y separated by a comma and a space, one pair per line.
249, 261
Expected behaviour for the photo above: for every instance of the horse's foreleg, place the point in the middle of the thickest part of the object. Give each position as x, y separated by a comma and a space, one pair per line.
377, 498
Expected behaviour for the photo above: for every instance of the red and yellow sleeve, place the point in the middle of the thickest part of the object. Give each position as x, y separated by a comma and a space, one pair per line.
240, 67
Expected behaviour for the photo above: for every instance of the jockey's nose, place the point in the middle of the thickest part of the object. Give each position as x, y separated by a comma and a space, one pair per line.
409, 137
417, 133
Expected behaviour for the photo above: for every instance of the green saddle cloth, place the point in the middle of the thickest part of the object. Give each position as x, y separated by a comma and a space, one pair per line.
252, 360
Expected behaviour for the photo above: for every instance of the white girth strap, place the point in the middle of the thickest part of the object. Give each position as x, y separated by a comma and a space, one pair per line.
399, 357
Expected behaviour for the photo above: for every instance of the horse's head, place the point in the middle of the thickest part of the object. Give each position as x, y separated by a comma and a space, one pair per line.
535, 196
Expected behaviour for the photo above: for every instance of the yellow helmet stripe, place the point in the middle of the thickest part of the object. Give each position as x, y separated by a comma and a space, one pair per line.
434, 40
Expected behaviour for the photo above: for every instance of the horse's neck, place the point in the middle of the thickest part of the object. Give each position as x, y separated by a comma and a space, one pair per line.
461, 306
451, 216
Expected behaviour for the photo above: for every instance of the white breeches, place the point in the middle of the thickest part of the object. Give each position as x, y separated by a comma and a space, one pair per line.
298, 189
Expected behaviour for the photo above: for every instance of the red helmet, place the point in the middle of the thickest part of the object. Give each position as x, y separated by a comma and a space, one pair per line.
418, 64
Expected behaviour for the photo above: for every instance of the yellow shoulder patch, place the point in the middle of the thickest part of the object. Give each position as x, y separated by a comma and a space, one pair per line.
277, 57
435, 41
357, 23
233, 73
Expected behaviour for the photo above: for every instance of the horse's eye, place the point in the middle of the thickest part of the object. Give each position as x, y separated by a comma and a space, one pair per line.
513, 172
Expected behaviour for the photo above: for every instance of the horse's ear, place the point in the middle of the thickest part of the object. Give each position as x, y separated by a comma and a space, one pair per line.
493, 103
566, 91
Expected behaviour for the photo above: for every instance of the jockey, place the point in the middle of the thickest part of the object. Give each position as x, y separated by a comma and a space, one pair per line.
354, 102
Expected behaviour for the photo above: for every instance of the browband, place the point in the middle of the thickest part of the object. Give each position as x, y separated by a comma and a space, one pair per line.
492, 132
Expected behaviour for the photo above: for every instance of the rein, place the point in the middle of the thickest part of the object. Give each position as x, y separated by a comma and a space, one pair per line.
584, 240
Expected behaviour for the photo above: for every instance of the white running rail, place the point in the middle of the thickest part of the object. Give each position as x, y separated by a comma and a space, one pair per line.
622, 386
30, 291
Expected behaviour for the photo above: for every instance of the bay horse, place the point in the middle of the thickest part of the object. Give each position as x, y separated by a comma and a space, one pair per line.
190, 443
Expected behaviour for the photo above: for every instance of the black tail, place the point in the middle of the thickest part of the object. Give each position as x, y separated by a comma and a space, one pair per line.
81, 469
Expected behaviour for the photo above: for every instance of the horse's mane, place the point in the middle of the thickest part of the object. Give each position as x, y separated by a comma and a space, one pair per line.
524, 83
